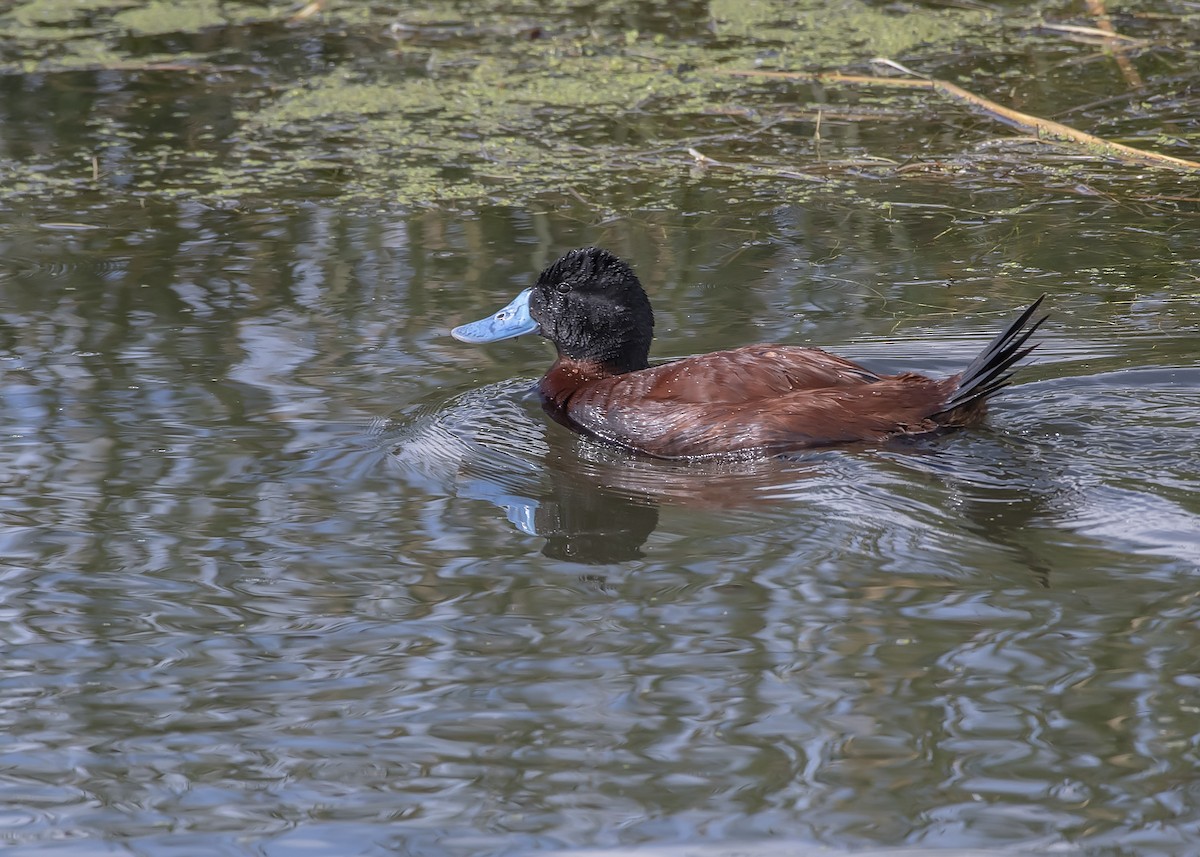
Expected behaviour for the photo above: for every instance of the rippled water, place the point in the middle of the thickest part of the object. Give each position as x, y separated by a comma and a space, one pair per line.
284, 570
288, 571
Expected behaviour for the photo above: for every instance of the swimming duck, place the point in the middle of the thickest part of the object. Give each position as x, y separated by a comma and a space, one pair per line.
754, 400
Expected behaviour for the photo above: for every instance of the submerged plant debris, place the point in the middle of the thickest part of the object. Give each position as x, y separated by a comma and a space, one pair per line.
610, 104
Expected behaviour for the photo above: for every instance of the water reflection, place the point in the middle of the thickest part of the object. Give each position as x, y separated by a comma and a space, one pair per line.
595, 503
268, 568
486, 445
242, 611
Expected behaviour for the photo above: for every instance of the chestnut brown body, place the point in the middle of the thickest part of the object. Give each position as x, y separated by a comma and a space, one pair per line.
764, 398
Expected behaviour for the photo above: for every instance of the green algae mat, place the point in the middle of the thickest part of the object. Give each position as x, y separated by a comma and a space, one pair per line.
612, 105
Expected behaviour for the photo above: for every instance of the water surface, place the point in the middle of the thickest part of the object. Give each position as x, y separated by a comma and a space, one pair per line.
284, 570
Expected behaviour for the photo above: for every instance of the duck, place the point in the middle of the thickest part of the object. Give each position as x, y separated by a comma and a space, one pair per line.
753, 401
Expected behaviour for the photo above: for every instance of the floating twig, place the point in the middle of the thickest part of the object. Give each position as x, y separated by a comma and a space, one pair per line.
1042, 129
1093, 33
1119, 49
704, 160
308, 11
134, 66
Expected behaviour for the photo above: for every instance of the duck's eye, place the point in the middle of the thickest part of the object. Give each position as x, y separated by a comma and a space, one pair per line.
563, 288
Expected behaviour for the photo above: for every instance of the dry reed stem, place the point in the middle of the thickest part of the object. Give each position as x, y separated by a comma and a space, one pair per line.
1098, 11
1043, 129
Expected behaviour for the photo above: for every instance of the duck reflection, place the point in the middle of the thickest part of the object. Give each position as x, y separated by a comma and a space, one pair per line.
588, 526
593, 503
600, 504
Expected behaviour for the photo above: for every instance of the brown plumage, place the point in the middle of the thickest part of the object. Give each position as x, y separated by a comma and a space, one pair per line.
758, 399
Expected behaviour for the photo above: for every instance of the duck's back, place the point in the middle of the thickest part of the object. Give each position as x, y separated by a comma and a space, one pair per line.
752, 373
760, 397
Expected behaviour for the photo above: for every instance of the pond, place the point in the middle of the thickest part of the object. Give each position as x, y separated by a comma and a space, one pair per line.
285, 570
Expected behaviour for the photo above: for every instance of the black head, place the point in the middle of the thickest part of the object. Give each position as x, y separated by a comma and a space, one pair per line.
591, 305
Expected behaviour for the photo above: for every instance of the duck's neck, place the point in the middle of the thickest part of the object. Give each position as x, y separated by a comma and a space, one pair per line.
568, 375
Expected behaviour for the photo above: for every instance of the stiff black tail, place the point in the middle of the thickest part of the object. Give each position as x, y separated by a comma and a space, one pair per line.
988, 372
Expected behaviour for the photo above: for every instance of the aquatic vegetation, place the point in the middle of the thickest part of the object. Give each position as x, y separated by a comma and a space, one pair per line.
570, 102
